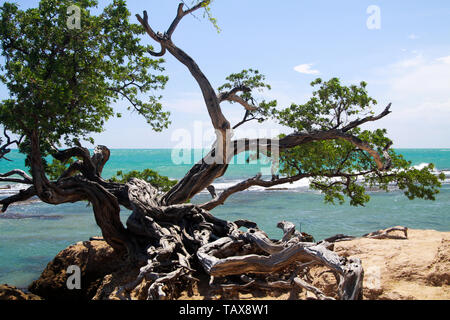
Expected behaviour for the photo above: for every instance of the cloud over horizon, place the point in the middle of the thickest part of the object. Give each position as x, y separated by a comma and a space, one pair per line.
306, 69
419, 89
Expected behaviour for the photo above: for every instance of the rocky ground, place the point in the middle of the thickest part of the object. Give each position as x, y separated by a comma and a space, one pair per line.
415, 268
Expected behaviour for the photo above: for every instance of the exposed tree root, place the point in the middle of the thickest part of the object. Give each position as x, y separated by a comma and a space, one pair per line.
181, 240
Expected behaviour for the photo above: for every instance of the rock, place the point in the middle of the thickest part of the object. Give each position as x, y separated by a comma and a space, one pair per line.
109, 287
95, 259
416, 268
12, 293
439, 274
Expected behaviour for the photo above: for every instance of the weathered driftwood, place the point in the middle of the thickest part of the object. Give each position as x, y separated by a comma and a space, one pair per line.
380, 234
386, 233
288, 252
339, 237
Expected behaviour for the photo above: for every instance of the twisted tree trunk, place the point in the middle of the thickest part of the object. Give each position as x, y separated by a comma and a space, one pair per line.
173, 243
172, 240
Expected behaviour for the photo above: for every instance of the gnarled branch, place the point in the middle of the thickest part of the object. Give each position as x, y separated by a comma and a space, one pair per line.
23, 195
244, 185
238, 99
4, 149
359, 122
233, 97
181, 13
5, 177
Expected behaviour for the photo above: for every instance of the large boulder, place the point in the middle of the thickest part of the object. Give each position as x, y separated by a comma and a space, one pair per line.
95, 260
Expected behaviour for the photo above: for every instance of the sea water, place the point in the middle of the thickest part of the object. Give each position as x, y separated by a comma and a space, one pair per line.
31, 234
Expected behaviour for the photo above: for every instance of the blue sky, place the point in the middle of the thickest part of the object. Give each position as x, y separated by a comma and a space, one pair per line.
406, 61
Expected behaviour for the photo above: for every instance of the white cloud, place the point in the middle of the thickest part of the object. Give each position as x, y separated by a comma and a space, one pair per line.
188, 102
410, 62
419, 89
306, 69
422, 79
413, 36
445, 60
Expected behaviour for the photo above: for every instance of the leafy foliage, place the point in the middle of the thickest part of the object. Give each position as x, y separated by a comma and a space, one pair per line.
63, 81
331, 107
207, 11
162, 183
55, 169
337, 167
250, 81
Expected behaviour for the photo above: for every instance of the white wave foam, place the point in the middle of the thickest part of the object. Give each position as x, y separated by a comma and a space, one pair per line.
423, 165
12, 188
301, 184
447, 176
435, 171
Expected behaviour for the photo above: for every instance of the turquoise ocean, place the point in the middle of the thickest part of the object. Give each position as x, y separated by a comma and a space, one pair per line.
32, 233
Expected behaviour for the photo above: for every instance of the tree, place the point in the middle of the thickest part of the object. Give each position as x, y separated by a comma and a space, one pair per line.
61, 90
4, 147
162, 183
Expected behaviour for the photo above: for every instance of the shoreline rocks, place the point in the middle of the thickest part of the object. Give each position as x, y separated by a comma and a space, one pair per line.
95, 260
12, 293
395, 269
